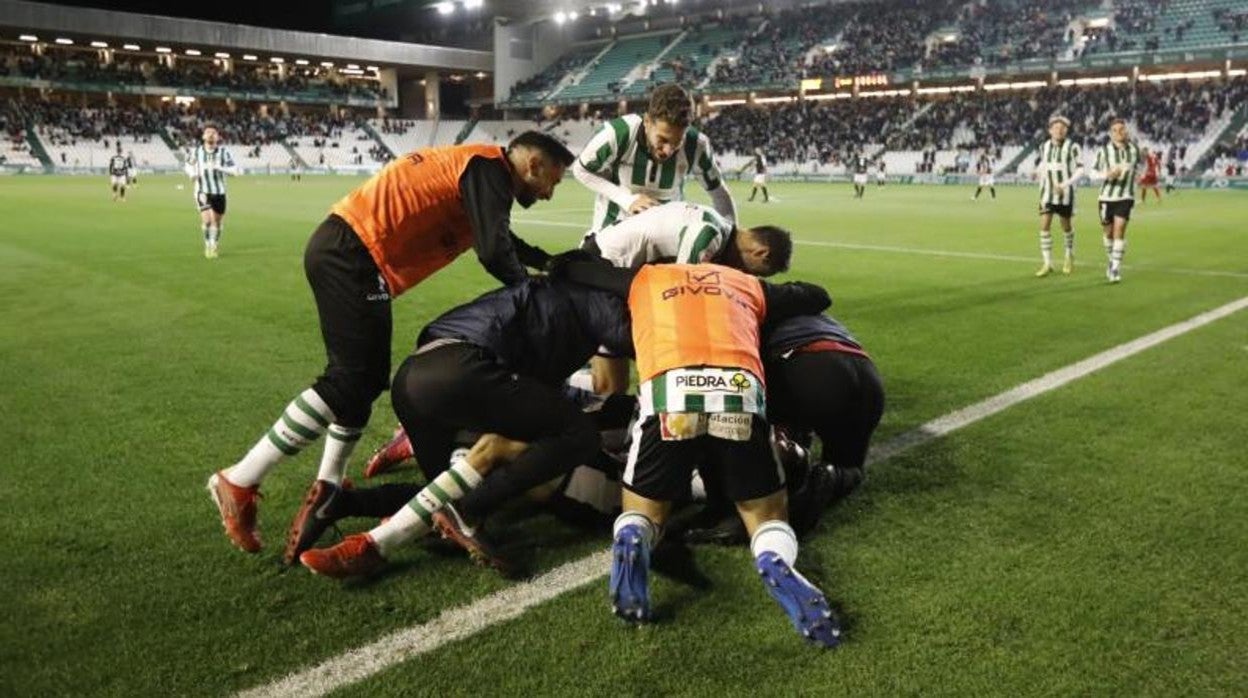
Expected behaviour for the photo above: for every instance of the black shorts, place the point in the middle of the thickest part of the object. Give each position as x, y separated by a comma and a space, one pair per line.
1063, 210
216, 202
1116, 209
836, 394
661, 470
353, 304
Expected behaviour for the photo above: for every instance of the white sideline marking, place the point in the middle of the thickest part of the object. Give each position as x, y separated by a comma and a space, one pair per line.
506, 604
1005, 257
949, 253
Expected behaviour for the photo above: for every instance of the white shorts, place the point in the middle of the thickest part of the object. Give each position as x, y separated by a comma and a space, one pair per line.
987, 181
760, 180
880, 176
860, 178
117, 180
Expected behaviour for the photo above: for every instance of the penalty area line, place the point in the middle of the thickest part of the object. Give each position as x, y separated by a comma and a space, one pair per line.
458, 623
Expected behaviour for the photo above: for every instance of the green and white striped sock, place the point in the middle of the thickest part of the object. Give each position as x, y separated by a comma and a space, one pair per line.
1046, 247
416, 519
302, 422
340, 441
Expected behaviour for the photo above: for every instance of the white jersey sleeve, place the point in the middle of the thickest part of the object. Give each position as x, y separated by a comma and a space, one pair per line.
595, 167
677, 231
703, 166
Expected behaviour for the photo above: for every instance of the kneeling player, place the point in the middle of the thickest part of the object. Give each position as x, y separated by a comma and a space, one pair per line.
695, 329
819, 379
510, 350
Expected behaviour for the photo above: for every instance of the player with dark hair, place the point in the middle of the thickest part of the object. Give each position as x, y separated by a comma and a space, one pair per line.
861, 166
635, 162
695, 329
494, 366
117, 169
759, 162
986, 179
1116, 163
405, 223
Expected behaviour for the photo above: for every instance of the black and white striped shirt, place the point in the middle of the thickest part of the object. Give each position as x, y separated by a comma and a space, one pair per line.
1126, 156
1056, 165
208, 169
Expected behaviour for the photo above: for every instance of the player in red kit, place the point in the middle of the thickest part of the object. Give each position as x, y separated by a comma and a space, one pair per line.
1152, 171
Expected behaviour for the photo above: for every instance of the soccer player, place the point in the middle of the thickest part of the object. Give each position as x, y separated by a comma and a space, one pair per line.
117, 174
1059, 167
881, 174
637, 162
494, 366
132, 172
673, 232
406, 222
1152, 171
860, 165
986, 178
696, 333
759, 163
820, 379
688, 234
208, 165
1116, 162
1172, 170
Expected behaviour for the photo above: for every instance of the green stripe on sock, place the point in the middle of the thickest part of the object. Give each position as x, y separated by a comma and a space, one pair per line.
438, 492
299, 428
459, 480
281, 444
348, 436
420, 511
308, 410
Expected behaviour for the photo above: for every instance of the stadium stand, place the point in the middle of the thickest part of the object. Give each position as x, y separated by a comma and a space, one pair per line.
1002, 31
607, 73
83, 69
1150, 25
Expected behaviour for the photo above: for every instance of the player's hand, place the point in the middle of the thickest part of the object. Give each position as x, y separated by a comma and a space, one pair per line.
1115, 173
642, 203
558, 265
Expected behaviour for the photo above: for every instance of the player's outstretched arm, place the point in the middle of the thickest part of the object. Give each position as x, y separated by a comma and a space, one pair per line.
486, 190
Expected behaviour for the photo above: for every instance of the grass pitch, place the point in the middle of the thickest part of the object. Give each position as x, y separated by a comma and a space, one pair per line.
1091, 541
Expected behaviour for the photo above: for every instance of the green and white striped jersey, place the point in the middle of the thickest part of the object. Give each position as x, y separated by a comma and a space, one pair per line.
208, 168
682, 232
1058, 164
616, 164
1126, 156
718, 390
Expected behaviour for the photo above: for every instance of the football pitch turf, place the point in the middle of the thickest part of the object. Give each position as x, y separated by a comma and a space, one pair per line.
1092, 540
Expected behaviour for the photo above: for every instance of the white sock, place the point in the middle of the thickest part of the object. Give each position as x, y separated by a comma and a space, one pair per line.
216, 235
416, 518
582, 379
1046, 247
301, 423
1116, 254
339, 443
777, 537
207, 236
1109, 244
649, 532
1070, 243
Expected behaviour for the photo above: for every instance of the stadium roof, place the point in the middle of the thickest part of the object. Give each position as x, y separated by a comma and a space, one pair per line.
89, 23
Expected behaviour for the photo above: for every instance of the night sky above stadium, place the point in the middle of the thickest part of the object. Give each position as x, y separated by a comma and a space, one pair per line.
311, 15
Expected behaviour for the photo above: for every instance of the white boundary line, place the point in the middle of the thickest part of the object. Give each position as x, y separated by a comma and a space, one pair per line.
458, 623
943, 253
